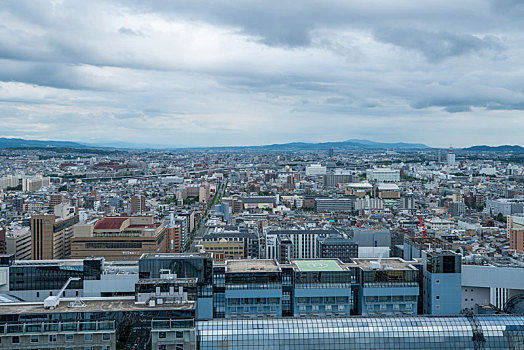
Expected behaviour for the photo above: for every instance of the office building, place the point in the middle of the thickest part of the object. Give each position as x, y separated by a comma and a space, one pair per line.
138, 204
383, 175
119, 238
515, 226
51, 236
450, 157
441, 282
387, 286
315, 170
304, 242
339, 177
18, 243
322, 288
331, 205
337, 247
253, 288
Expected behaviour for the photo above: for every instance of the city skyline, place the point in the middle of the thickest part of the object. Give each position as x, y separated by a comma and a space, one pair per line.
231, 74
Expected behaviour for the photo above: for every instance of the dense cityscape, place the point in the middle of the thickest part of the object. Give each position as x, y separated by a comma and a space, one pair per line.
110, 249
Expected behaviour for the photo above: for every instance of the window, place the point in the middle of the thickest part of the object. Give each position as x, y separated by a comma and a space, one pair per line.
179, 347
69, 337
162, 347
38, 294
437, 281
179, 334
52, 338
15, 340
88, 337
437, 297
106, 336
34, 339
162, 335
88, 348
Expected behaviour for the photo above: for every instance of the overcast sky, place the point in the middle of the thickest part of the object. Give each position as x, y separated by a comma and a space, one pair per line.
233, 72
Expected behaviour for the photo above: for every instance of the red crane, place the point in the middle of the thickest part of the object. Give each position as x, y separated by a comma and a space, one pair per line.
367, 219
422, 227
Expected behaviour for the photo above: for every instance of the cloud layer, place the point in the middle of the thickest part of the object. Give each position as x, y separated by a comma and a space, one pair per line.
236, 73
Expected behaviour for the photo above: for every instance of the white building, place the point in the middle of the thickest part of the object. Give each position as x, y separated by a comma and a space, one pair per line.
383, 175
493, 283
315, 170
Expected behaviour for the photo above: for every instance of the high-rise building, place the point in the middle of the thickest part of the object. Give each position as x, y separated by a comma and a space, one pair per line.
450, 157
55, 199
51, 236
516, 233
441, 282
138, 204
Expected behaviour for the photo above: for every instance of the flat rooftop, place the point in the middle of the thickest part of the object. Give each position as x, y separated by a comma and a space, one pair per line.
91, 305
317, 265
390, 263
266, 265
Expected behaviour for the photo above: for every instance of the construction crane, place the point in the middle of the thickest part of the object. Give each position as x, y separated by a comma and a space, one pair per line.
367, 219
53, 301
422, 227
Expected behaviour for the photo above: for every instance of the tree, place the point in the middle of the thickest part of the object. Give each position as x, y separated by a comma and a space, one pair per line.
500, 218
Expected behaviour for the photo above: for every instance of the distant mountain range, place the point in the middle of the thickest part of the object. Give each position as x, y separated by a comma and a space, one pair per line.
341, 145
349, 145
504, 148
15, 143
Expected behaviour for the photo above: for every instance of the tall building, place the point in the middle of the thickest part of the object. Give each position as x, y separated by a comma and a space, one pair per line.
516, 233
442, 280
51, 236
18, 243
34, 183
138, 204
55, 199
450, 157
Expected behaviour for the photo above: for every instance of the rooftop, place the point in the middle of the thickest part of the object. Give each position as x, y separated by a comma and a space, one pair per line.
389, 263
317, 265
266, 265
91, 305
110, 223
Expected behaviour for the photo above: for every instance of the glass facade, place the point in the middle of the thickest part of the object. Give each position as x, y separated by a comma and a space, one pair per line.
44, 276
493, 332
183, 265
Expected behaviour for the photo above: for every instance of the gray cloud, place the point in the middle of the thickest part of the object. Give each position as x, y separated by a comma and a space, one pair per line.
438, 46
233, 70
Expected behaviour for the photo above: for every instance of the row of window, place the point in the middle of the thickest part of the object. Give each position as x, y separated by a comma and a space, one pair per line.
53, 338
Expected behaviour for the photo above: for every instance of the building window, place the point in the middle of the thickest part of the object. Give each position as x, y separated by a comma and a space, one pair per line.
437, 281
162, 347
437, 297
88, 347
38, 294
106, 336
162, 335
69, 337
34, 339
179, 347
15, 340
88, 337
179, 334
52, 338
